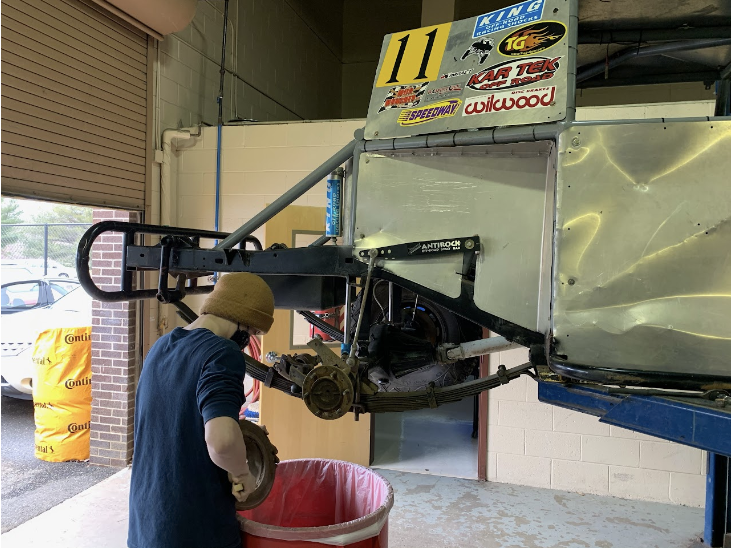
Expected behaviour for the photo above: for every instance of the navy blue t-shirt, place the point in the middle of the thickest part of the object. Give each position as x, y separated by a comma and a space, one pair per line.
178, 496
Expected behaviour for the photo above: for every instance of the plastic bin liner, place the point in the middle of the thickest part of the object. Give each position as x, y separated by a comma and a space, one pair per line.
322, 501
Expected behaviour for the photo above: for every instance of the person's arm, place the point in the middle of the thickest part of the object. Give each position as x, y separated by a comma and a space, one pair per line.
226, 446
220, 394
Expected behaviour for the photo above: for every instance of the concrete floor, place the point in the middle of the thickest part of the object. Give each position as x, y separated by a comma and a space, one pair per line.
29, 485
435, 442
429, 511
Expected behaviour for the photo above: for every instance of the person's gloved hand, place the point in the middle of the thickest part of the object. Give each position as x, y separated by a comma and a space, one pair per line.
242, 486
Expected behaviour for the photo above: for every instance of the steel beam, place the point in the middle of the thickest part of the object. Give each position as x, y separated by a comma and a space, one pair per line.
680, 421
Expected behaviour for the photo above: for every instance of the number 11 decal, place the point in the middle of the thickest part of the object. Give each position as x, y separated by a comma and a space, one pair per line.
414, 56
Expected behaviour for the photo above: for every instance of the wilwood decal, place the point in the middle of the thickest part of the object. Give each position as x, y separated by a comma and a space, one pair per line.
532, 39
510, 101
438, 110
512, 74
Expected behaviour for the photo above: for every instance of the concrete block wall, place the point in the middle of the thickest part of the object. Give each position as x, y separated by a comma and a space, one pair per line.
278, 65
259, 163
539, 445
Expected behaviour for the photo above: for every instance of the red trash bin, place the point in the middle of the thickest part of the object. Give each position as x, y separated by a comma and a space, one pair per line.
317, 503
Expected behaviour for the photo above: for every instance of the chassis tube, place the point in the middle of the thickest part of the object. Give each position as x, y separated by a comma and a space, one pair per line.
289, 196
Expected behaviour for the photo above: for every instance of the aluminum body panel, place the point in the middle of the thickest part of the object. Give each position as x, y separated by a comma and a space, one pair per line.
497, 192
452, 54
641, 277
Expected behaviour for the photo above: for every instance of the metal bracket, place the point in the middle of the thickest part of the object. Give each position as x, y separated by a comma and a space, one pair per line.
426, 248
269, 377
431, 399
327, 356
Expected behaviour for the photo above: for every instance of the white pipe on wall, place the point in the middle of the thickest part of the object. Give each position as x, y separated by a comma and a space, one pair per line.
163, 205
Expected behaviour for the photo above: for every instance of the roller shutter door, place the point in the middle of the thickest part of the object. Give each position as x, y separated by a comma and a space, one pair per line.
74, 104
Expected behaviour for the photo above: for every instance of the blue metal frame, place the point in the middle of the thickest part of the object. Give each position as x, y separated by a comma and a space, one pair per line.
706, 427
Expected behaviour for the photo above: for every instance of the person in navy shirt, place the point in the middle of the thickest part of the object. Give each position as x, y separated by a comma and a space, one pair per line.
190, 462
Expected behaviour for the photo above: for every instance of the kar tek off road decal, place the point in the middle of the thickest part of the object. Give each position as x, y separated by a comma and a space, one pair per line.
532, 39
512, 16
481, 48
400, 97
510, 101
515, 73
438, 110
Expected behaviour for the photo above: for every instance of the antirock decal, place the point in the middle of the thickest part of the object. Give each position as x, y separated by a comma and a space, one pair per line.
532, 39
510, 101
401, 97
513, 74
512, 16
439, 110
481, 48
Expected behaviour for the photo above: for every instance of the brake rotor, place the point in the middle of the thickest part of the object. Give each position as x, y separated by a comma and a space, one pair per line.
327, 392
262, 459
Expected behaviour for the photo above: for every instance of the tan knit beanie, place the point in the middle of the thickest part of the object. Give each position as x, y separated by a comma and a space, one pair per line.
242, 297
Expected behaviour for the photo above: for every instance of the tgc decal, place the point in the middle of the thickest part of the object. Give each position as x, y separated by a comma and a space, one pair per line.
512, 16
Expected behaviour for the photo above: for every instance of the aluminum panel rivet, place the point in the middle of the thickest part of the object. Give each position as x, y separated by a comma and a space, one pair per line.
576, 142
469, 244
571, 281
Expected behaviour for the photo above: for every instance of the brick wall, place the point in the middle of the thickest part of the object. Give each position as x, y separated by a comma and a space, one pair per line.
114, 358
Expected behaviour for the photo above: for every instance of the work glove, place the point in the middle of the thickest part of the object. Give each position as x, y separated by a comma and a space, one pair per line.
242, 486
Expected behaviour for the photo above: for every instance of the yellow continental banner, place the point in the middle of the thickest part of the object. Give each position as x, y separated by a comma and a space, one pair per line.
62, 394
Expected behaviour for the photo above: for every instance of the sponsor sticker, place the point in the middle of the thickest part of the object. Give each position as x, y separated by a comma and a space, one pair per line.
515, 73
413, 56
517, 100
447, 91
457, 74
400, 97
512, 16
436, 247
532, 39
438, 110
481, 48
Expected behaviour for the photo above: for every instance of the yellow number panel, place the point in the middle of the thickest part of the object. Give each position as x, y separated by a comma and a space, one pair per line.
414, 56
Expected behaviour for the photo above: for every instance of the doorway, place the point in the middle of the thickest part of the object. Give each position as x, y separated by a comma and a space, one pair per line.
437, 442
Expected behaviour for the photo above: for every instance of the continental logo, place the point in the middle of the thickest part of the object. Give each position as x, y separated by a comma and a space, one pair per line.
41, 405
70, 383
45, 449
432, 112
532, 39
76, 428
71, 338
43, 361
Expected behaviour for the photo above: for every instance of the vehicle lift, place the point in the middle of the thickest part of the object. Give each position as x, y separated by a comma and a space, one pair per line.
702, 423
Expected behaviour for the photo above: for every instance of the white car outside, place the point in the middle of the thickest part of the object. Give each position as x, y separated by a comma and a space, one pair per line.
35, 267
19, 333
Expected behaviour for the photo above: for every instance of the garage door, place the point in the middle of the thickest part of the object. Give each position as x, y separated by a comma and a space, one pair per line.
74, 104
